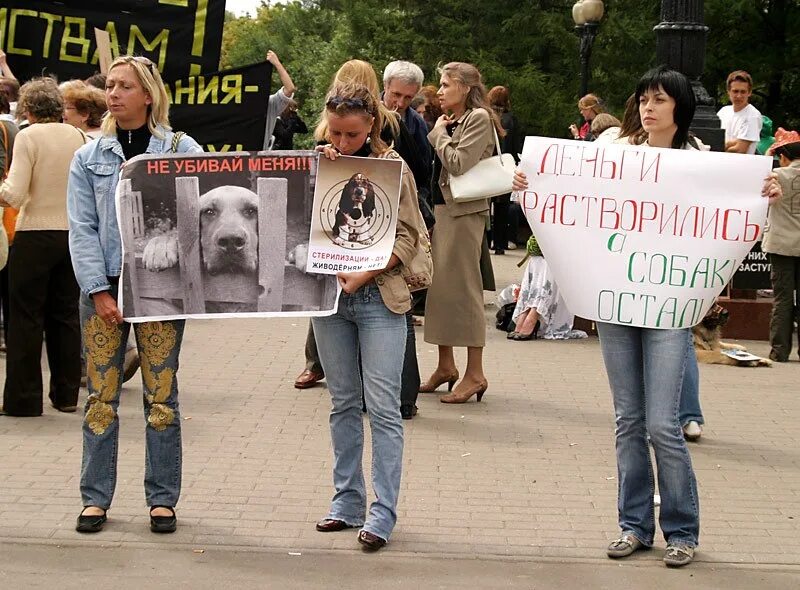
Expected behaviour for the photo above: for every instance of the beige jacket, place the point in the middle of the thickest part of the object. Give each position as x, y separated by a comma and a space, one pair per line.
472, 141
782, 234
391, 283
37, 180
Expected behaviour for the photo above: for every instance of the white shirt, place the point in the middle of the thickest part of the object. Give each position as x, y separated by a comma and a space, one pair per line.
745, 124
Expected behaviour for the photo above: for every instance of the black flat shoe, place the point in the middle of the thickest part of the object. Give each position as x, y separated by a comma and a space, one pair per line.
370, 541
331, 525
90, 523
408, 411
163, 524
518, 336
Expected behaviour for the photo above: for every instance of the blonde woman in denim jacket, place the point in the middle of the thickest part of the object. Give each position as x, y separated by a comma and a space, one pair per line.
369, 325
137, 123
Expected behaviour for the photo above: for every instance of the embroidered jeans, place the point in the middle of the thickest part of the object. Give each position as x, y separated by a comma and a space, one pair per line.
363, 327
159, 345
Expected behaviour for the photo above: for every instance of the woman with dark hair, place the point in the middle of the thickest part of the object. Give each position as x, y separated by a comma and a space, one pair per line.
43, 292
500, 99
362, 346
454, 313
645, 368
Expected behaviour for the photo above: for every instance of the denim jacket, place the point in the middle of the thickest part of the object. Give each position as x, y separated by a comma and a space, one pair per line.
94, 240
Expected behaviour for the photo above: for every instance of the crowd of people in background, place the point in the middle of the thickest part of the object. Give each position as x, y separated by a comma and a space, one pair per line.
61, 147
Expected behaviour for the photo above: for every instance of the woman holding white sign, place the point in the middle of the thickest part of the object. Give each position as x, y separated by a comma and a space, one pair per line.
645, 369
454, 313
369, 326
137, 123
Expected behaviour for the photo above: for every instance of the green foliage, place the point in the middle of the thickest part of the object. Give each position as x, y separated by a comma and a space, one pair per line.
527, 45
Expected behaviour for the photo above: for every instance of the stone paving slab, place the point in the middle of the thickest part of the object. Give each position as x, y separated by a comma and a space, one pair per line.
527, 473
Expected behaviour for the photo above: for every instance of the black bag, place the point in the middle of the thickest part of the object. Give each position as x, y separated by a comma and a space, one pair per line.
504, 315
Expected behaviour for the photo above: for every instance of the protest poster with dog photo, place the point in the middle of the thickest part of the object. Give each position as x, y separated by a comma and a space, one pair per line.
355, 214
219, 235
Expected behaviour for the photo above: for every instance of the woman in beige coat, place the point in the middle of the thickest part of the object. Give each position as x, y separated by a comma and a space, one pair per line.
454, 313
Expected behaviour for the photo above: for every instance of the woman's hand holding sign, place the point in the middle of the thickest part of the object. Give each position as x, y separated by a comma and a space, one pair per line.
772, 188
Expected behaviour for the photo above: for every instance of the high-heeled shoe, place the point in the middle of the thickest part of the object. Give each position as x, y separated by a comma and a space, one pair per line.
430, 385
455, 398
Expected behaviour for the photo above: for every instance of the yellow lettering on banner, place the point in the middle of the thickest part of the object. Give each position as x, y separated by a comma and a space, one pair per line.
226, 148
251, 88
199, 27
187, 91
181, 3
48, 35
195, 69
208, 88
111, 29
12, 30
162, 40
3, 13
232, 87
70, 39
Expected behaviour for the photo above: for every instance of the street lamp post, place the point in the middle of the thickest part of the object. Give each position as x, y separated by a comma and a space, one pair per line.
587, 15
681, 45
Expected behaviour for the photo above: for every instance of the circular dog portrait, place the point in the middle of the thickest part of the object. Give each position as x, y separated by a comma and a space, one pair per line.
355, 213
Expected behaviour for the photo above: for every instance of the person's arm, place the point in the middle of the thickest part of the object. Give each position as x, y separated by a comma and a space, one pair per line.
14, 191
737, 146
286, 79
476, 135
84, 240
5, 69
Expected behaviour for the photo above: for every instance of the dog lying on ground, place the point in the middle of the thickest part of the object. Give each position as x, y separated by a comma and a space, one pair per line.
708, 342
228, 234
354, 212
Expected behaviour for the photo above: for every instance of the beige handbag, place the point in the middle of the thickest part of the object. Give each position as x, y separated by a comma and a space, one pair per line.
488, 178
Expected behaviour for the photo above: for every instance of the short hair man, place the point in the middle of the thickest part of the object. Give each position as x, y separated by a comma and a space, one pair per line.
740, 120
401, 83
279, 100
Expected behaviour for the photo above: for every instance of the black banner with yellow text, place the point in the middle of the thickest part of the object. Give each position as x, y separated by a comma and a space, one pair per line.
182, 36
224, 111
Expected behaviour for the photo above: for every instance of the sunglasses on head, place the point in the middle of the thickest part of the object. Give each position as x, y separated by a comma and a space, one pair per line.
144, 61
353, 103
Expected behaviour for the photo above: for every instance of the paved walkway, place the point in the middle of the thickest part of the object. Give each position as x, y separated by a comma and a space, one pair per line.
528, 474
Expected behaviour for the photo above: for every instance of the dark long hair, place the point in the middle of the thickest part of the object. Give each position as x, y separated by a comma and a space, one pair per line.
679, 88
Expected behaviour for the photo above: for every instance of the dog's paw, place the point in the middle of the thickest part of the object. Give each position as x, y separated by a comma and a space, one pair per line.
764, 363
731, 346
298, 257
161, 252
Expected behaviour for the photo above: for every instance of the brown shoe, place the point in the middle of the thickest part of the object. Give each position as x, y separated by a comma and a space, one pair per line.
308, 378
331, 525
370, 541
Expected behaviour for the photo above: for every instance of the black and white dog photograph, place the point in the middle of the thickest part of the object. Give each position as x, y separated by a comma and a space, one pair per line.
210, 235
355, 213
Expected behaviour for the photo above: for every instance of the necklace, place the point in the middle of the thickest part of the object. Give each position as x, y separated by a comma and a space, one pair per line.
130, 137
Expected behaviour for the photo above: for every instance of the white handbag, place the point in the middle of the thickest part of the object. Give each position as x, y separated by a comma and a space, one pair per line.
488, 178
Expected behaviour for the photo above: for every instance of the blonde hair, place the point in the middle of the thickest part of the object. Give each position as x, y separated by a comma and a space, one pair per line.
469, 77
148, 76
349, 98
360, 73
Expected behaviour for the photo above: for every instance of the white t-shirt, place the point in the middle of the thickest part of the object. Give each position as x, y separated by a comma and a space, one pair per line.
746, 125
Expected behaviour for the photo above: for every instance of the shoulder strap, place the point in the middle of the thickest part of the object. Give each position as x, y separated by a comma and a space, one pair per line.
7, 148
176, 140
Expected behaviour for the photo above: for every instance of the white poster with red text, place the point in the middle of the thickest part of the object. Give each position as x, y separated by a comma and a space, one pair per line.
642, 236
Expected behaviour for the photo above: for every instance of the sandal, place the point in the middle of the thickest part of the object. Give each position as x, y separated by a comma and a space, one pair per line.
624, 546
90, 523
678, 555
163, 524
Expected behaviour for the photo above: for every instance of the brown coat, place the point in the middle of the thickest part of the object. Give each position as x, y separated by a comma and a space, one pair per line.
472, 141
391, 283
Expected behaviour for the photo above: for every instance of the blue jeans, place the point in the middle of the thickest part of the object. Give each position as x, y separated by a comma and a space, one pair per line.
364, 328
690, 390
645, 371
159, 346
